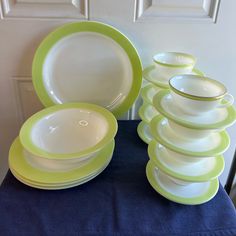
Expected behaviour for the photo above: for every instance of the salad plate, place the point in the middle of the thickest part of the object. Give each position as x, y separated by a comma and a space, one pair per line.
193, 194
87, 62
18, 163
205, 170
144, 132
148, 92
151, 74
147, 112
219, 118
214, 144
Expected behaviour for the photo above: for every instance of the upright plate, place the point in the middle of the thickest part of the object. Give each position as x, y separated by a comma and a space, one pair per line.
144, 132
87, 62
196, 193
18, 163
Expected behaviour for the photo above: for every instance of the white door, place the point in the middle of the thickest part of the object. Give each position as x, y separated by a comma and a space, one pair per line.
204, 28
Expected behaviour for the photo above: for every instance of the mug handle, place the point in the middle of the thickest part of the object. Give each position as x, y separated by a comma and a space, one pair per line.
228, 100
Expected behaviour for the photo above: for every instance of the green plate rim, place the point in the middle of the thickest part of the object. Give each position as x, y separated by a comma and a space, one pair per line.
230, 119
140, 132
212, 191
147, 77
25, 131
200, 178
225, 141
17, 162
145, 90
87, 26
142, 110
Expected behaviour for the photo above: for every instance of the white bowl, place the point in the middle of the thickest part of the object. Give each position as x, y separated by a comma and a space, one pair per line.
188, 133
169, 64
74, 130
196, 95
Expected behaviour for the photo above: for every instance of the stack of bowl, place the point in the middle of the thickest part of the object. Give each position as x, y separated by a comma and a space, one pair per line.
156, 77
189, 138
63, 146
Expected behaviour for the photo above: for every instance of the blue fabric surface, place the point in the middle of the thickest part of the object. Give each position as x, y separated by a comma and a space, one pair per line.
119, 201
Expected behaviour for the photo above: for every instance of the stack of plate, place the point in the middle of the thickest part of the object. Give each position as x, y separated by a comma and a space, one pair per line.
156, 78
70, 142
63, 146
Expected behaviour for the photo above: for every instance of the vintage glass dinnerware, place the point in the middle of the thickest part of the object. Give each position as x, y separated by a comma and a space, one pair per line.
169, 64
147, 112
215, 144
36, 176
68, 131
204, 170
193, 194
152, 75
197, 94
218, 119
87, 62
144, 132
148, 92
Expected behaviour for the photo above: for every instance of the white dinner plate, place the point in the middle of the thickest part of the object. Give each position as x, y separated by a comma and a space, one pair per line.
87, 62
144, 132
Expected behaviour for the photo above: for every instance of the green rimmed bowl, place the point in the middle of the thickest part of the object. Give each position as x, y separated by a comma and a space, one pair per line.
218, 119
185, 168
169, 64
152, 75
213, 145
194, 194
68, 131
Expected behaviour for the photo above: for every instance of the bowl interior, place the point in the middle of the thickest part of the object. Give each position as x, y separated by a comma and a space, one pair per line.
197, 86
173, 58
69, 131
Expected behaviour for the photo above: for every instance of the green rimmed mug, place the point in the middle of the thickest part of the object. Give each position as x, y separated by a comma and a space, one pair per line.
169, 64
196, 95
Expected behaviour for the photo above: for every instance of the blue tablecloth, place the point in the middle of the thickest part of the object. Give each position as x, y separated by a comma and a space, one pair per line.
119, 201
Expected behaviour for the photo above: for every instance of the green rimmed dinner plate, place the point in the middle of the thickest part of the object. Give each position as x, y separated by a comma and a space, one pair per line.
206, 170
47, 114
213, 145
219, 118
45, 186
151, 75
147, 112
18, 163
144, 132
200, 192
90, 62
148, 92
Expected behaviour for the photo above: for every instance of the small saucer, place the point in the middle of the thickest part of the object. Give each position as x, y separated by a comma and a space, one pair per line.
219, 118
148, 92
151, 74
144, 132
193, 194
147, 112
204, 170
214, 144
